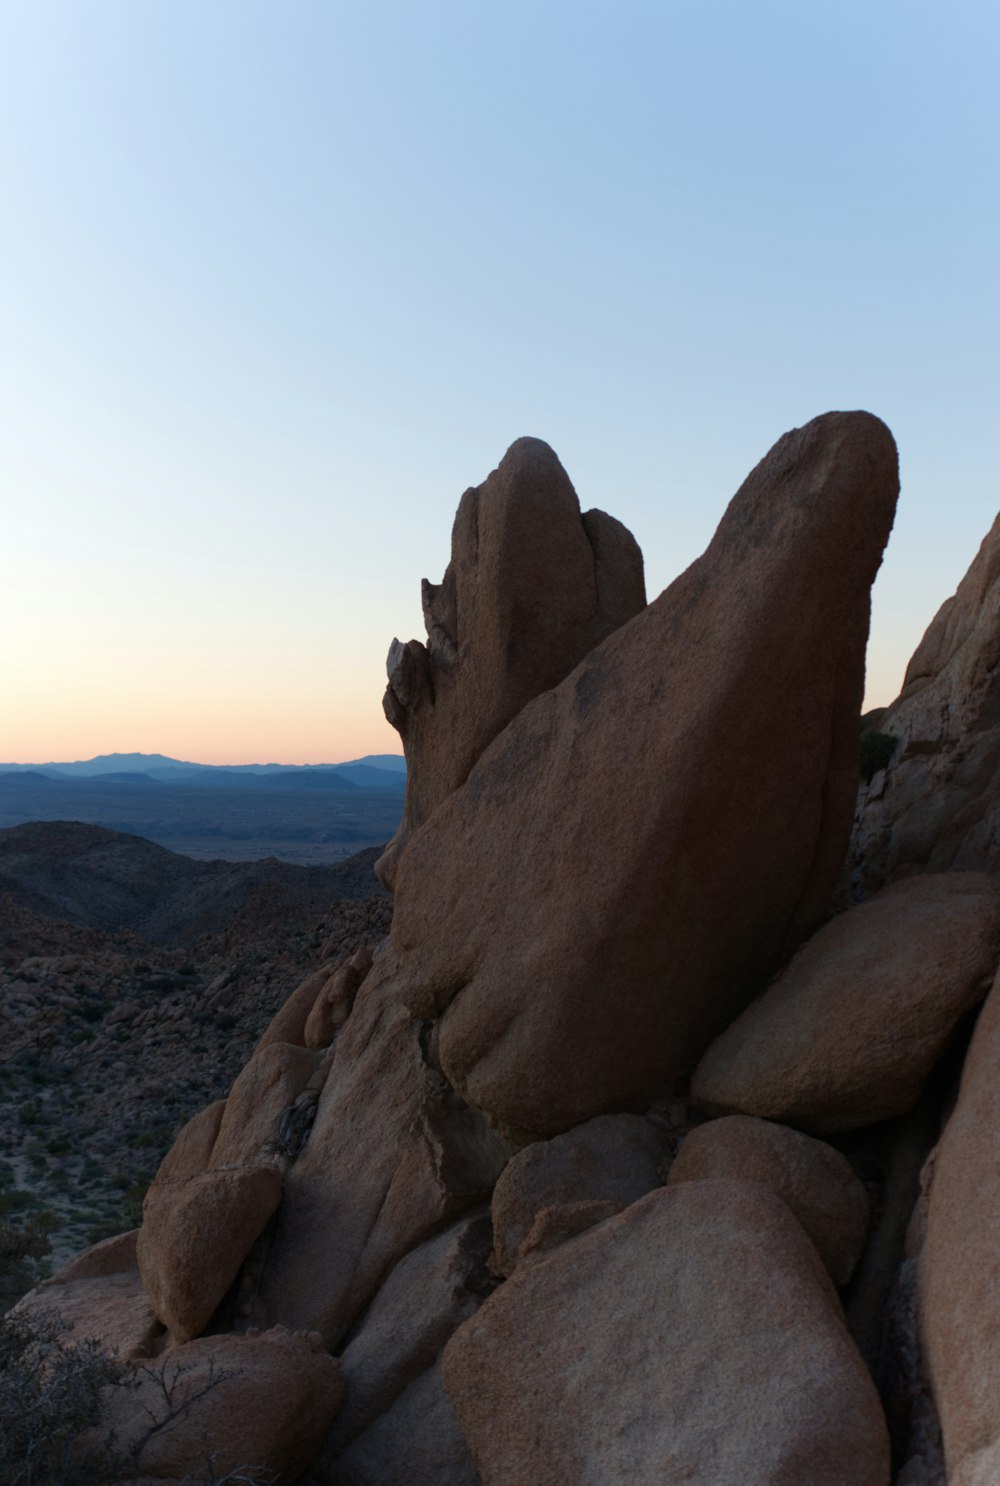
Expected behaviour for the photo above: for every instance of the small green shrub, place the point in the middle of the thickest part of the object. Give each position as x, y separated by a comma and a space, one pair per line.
876, 749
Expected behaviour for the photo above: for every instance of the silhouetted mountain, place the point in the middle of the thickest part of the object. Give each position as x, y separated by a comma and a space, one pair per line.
391, 761
158, 766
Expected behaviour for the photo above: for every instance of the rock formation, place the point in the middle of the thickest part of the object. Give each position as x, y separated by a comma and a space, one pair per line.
669, 821
461, 1221
532, 586
960, 1267
936, 807
814, 1181
695, 1336
847, 1035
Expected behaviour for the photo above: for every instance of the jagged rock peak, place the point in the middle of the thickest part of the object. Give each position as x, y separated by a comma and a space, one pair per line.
532, 586
669, 820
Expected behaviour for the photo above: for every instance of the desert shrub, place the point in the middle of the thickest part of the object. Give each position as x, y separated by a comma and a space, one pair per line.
50, 1393
876, 749
24, 1248
53, 1391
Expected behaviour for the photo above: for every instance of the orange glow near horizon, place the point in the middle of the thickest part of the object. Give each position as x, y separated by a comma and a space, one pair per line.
232, 729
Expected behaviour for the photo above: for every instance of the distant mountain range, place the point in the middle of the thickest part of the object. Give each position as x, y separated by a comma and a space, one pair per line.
318, 813
374, 771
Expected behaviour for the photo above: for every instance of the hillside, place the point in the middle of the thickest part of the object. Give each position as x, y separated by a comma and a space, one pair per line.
133, 985
303, 816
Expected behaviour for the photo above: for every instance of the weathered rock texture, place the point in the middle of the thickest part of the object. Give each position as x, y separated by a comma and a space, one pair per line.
669, 820
195, 1235
272, 1080
612, 1160
393, 1158
937, 806
262, 1401
416, 1442
694, 1337
333, 1005
428, 1294
396, 1418
960, 1266
112, 1309
847, 1035
532, 586
815, 1181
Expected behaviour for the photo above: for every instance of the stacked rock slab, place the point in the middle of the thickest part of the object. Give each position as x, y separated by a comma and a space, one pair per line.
393, 1157
609, 1162
694, 1337
633, 855
848, 1034
936, 807
532, 586
814, 1181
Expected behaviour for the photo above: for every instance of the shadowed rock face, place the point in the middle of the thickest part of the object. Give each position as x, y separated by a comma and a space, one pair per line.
959, 1276
937, 806
645, 841
532, 586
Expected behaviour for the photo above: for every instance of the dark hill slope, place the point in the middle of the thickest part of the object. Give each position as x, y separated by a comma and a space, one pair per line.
107, 880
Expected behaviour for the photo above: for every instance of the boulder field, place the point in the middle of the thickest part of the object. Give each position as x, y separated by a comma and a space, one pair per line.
604, 1169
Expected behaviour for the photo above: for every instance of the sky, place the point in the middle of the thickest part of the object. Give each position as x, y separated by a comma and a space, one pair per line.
279, 281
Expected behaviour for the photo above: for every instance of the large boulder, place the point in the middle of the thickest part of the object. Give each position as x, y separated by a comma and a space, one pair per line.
667, 823
261, 1402
196, 1233
393, 1158
960, 1266
816, 1182
936, 807
612, 1161
848, 1034
531, 587
694, 1337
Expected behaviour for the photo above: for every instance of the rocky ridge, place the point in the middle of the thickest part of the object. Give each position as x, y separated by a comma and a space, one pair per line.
615, 1162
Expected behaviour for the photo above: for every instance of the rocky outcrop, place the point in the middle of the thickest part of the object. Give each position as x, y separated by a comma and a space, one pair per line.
610, 1161
936, 807
959, 1269
396, 1417
694, 1337
532, 586
814, 1181
393, 1158
848, 1034
449, 1158
668, 821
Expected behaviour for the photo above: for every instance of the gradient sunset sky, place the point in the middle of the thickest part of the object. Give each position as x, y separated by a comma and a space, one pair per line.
280, 280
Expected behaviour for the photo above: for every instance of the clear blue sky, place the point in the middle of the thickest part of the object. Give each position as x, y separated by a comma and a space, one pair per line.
280, 280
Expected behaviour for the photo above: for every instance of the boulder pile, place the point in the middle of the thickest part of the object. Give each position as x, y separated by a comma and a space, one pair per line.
606, 1166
